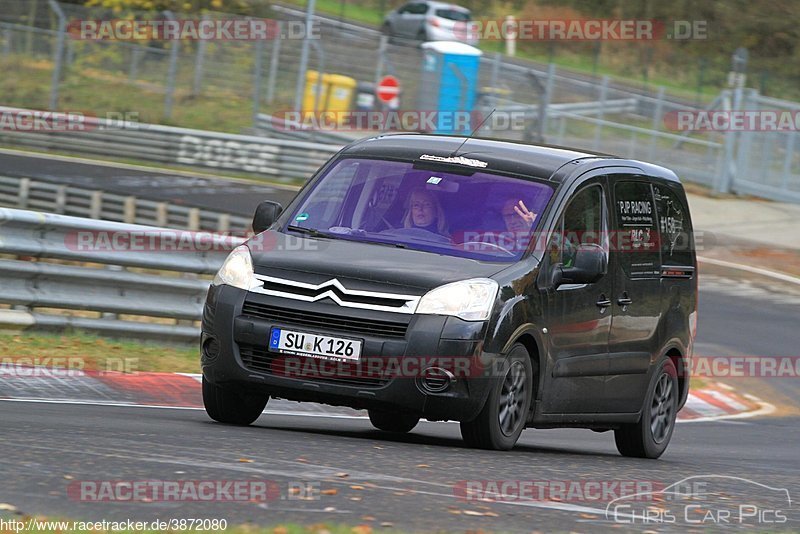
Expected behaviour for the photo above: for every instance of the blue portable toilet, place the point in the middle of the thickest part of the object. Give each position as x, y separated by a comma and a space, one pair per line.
449, 84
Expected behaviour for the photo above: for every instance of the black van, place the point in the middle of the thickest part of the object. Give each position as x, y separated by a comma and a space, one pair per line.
497, 284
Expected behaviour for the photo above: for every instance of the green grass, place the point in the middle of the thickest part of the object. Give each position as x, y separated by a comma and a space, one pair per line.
97, 93
345, 9
583, 64
91, 352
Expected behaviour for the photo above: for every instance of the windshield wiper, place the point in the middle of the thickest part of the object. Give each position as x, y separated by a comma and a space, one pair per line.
313, 232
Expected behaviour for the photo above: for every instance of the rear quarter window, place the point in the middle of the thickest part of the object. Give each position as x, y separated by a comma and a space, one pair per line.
674, 225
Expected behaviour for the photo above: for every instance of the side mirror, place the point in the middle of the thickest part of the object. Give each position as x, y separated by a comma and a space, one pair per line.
588, 266
266, 213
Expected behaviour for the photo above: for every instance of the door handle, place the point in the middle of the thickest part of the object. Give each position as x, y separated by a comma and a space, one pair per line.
603, 302
624, 300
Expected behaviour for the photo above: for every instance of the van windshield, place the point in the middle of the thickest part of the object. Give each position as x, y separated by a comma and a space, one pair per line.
482, 216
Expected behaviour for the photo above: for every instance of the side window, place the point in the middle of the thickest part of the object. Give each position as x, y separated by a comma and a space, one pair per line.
637, 231
582, 223
674, 227
418, 9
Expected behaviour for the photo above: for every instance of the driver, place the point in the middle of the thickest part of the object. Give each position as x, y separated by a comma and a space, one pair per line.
425, 212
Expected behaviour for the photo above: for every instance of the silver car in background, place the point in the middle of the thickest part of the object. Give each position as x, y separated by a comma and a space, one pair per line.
430, 21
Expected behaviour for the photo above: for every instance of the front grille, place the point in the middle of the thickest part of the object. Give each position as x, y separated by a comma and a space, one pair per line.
325, 321
375, 300
258, 358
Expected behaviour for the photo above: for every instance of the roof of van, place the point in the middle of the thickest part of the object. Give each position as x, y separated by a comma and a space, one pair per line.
541, 161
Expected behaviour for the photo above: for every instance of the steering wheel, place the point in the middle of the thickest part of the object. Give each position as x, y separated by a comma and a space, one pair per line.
484, 243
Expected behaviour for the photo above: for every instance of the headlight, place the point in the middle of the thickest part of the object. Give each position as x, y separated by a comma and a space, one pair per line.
471, 300
237, 271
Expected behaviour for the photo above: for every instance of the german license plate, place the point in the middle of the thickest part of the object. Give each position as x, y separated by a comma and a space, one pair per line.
314, 345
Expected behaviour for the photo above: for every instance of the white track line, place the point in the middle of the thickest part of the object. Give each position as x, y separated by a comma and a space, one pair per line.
756, 270
765, 409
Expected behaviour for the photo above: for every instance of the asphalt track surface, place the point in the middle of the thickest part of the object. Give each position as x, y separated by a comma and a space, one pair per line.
407, 481
236, 197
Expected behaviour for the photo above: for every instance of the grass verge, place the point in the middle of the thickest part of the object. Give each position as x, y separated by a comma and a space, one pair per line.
96, 353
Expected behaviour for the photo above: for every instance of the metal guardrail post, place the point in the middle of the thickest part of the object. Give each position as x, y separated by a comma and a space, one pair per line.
303, 64
162, 214
562, 126
545, 104
223, 223
727, 177
24, 193
61, 200
259, 53
96, 205
199, 63
744, 142
274, 61
602, 98
194, 219
129, 210
173, 68
383, 44
658, 116
58, 54
321, 60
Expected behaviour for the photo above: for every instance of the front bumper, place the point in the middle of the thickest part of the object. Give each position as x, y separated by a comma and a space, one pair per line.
234, 351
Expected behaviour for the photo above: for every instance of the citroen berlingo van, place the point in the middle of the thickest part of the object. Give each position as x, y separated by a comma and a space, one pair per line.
501, 285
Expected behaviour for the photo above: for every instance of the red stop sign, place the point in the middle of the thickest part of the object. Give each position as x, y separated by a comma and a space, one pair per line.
388, 88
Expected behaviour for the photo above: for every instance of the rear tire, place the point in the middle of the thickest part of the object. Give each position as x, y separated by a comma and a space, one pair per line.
392, 422
650, 436
503, 417
228, 405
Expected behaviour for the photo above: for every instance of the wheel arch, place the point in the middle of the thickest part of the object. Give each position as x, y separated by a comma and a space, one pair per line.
681, 367
527, 336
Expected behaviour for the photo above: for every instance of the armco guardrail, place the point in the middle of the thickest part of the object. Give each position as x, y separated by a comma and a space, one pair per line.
26, 193
117, 279
278, 159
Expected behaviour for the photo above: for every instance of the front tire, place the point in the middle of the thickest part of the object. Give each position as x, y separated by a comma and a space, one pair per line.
227, 405
392, 422
503, 417
650, 436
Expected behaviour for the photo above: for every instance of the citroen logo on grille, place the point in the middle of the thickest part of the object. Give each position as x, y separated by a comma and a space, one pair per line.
333, 289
